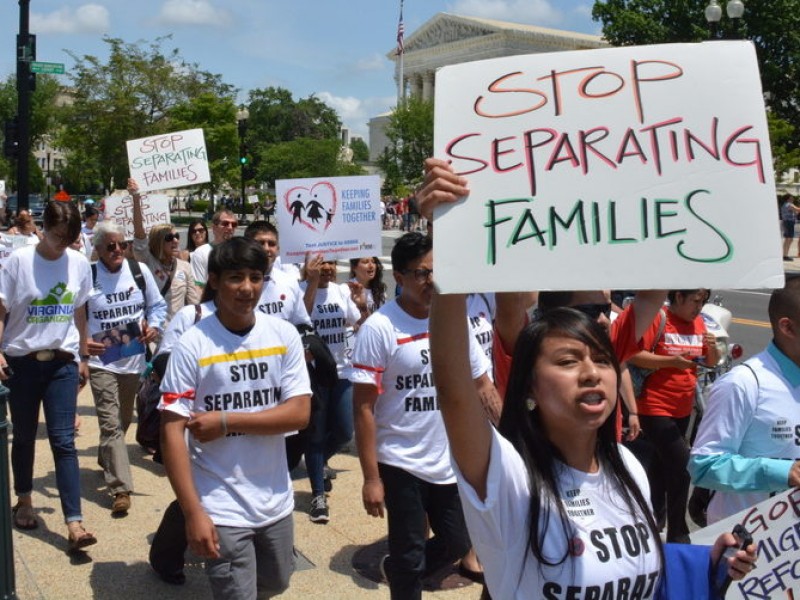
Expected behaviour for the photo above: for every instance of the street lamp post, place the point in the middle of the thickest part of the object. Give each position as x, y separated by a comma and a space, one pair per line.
734, 9
241, 118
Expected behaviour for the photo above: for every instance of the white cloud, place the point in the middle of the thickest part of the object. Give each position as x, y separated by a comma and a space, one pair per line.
534, 12
89, 18
355, 113
193, 12
376, 62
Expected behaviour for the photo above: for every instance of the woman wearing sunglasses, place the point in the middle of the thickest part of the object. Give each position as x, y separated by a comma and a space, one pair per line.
198, 236
159, 251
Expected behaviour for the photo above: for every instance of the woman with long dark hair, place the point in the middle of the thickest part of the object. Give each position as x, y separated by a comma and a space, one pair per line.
197, 236
552, 502
367, 273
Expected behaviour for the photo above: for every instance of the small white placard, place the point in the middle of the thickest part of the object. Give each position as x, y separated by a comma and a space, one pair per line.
169, 161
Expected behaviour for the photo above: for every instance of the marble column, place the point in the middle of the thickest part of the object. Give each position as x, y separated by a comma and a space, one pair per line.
427, 86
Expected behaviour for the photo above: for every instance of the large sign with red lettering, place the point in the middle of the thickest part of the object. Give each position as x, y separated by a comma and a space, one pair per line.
775, 527
119, 208
628, 168
167, 161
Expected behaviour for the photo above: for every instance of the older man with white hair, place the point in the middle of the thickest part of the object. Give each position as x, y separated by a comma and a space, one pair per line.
125, 299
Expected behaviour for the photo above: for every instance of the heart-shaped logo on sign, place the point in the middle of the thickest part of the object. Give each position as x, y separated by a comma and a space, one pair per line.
314, 208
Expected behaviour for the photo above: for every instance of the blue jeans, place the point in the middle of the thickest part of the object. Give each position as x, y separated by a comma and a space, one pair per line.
331, 428
54, 385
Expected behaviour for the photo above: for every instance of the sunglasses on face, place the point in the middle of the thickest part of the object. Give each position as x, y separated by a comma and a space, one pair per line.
593, 311
110, 247
421, 275
172, 237
196, 231
227, 224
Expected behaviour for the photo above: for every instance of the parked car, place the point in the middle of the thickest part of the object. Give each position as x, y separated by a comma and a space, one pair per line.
35, 206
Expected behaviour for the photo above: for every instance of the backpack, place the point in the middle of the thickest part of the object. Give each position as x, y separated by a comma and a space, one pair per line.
640, 374
136, 271
148, 423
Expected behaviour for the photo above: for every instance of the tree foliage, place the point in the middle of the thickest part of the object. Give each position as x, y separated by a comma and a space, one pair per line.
44, 118
288, 138
410, 134
772, 25
131, 95
360, 150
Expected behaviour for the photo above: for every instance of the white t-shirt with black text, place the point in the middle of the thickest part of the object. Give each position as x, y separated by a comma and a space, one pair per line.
281, 297
612, 553
116, 301
242, 480
392, 352
333, 311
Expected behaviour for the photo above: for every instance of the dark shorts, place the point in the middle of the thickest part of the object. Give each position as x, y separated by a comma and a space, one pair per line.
788, 229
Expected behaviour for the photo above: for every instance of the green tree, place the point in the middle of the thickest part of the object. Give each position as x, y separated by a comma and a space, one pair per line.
772, 25
360, 150
45, 114
410, 134
131, 95
217, 117
279, 126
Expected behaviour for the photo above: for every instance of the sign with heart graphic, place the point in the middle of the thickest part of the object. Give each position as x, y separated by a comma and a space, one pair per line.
338, 217
312, 207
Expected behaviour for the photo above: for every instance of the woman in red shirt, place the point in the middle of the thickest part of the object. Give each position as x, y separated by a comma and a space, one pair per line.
665, 404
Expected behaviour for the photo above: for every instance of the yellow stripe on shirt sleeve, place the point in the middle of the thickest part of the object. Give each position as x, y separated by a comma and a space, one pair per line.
243, 355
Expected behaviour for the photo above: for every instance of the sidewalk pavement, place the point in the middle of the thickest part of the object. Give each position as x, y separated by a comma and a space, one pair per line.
117, 566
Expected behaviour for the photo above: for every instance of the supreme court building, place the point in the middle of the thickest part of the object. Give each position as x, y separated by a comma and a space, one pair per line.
451, 39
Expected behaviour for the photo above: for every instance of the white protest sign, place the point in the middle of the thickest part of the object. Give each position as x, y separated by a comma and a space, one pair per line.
335, 216
2, 186
169, 161
623, 168
252, 199
9, 243
775, 527
155, 211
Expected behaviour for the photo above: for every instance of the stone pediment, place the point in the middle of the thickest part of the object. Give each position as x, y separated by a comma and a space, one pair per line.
443, 29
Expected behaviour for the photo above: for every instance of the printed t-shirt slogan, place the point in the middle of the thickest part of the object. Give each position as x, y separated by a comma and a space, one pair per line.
589, 168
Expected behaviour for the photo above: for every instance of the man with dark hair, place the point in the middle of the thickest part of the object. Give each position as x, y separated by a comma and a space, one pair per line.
223, 227
281, 295
236, 382
400, 435
748, 444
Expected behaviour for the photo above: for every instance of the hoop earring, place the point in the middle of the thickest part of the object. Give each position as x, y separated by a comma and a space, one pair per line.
530, 403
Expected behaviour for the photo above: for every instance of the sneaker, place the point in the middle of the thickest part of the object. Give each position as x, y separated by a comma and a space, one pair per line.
122, 504
319, 510
382, 567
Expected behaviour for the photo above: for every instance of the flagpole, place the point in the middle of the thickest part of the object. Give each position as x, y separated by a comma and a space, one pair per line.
401, 52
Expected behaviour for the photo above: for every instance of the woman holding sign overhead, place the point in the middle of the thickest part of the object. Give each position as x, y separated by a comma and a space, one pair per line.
159, 251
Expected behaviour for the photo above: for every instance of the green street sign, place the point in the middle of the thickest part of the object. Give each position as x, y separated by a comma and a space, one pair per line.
47, 68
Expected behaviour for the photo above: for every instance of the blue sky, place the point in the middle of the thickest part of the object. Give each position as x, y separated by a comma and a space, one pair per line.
335, 49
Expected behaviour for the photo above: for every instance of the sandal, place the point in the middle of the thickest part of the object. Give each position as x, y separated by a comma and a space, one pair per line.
24, 517
82, 540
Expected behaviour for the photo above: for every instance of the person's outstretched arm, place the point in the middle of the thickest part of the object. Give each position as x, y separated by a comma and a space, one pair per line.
468, 429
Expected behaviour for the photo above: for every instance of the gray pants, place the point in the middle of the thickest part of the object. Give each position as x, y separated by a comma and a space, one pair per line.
253, 563
114, 398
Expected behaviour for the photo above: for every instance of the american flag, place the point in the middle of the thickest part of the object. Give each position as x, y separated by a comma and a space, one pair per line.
400, 31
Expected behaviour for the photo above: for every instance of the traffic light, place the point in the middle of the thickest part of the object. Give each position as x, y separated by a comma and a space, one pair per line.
243, 160
11, 138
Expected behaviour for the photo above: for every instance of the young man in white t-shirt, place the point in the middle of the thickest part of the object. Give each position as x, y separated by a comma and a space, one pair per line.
402, 445
236, 382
